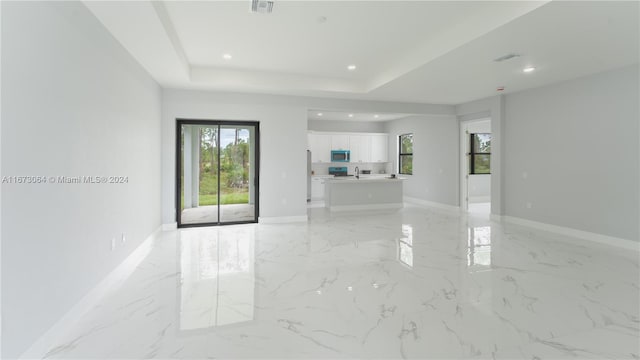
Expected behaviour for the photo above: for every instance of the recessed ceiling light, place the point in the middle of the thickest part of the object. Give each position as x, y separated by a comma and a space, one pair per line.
376, 116
320, 114
351, 67
227, 56
528, 69
350, 115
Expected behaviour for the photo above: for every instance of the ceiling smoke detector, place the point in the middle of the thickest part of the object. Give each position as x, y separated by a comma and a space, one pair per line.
506, 57
261, 6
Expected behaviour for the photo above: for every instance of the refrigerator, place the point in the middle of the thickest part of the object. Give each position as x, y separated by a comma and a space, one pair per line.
308, 175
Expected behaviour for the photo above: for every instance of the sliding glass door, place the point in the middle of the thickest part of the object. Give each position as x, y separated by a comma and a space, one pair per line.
217, 172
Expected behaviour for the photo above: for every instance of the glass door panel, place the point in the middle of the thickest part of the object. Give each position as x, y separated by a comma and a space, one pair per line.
199, 174
237, 172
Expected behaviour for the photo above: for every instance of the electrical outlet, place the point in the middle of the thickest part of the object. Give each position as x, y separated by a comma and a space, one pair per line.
123, 239
528, 205
525, 175
113, 244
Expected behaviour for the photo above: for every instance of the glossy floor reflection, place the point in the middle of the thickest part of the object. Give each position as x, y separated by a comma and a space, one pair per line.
416, 283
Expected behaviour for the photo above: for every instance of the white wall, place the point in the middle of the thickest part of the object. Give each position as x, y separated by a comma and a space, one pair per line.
74, 103
577, 142
1, 174
347, 126
480, 126
283, 147
435, 160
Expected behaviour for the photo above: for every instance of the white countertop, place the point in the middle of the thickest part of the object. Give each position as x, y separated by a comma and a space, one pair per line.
353, 180
324, 176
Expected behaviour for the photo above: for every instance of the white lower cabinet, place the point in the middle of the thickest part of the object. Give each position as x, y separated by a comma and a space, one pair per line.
317, 188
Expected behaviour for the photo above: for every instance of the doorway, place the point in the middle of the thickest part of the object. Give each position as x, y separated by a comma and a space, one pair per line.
217, 167
475, 163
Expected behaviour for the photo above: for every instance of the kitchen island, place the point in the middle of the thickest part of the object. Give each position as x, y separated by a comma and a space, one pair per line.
350, 193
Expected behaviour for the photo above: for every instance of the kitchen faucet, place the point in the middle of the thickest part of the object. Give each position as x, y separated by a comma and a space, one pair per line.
357, 173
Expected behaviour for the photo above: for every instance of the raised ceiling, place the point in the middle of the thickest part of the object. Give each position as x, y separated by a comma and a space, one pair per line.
413, 51
313, 38
325, 115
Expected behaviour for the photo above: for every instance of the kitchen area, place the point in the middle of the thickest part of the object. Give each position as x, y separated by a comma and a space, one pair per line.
349, 170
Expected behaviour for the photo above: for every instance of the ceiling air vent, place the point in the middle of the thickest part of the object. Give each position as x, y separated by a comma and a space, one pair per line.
261, 6
506, 57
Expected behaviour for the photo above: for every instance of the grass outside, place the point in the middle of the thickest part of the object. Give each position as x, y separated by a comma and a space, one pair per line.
225, 198
209, 193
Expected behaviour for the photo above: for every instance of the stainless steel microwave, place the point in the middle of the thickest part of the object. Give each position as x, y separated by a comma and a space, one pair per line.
340, 155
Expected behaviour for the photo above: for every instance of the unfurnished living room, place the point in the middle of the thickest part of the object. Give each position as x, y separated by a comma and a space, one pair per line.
320, 179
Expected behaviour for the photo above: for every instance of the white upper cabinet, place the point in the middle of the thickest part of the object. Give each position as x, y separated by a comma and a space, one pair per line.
360, 148
365, 148
320, 146
339, 142
379, 148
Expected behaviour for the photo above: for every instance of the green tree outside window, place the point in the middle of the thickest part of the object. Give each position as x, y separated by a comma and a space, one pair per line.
480, 154
405, 158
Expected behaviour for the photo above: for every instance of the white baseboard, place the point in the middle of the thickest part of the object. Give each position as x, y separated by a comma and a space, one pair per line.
115, 278
282, 219
366, 207
595, 237
434, 204
170, 226
315, 204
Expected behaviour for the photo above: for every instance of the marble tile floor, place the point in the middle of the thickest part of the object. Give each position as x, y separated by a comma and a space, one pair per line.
480, 209
415, 283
